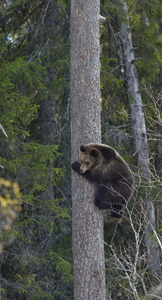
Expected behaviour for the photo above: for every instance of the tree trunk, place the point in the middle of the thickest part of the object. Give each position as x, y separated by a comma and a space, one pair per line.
47, 107
140, 139
87, 220
47, 134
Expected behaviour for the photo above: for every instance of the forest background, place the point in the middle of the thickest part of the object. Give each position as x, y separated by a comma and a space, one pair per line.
36, 258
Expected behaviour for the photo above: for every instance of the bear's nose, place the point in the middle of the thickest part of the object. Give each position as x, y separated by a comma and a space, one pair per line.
80, 171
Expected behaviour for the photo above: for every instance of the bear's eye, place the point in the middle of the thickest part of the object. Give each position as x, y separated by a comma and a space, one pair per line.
87, 163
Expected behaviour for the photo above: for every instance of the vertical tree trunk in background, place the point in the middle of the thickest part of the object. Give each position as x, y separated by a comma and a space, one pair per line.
47, 130
47, 117
87, 220
47, 107
140, 138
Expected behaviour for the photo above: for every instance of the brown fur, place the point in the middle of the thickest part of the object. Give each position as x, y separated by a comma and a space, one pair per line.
113, 178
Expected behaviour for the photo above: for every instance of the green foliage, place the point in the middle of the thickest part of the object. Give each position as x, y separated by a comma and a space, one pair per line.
145, 25
63, 268
34, 67
19, 85
145, 18
31, 265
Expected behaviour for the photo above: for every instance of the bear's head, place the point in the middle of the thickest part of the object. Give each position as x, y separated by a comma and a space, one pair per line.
89, 158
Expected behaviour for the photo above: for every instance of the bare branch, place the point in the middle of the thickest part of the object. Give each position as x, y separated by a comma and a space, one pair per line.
1, 127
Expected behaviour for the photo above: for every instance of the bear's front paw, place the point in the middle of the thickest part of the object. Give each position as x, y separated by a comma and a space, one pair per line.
76, 166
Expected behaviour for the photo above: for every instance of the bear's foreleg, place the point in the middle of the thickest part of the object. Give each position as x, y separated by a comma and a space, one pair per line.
87, 175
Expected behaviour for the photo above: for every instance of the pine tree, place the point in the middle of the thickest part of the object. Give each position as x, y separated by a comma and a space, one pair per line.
87, 220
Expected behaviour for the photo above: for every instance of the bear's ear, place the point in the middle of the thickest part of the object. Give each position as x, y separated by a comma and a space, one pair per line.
82, 148
94, 153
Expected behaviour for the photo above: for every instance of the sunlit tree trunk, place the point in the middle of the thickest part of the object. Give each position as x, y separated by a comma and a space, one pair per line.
140, 138
87, 220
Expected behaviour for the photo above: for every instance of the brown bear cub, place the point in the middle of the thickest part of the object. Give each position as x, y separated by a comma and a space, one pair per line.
113, 179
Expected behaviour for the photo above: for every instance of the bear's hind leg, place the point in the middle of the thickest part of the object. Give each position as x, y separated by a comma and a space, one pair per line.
98, 203
116, 213
100, 198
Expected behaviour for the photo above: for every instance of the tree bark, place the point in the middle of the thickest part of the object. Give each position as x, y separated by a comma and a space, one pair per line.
140, 138
87, 220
